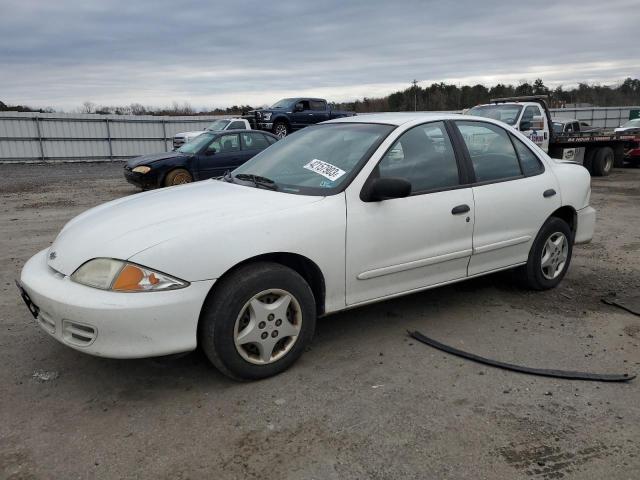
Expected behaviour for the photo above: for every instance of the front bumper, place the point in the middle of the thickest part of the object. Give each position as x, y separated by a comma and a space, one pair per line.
586, 224
142, 180
113, 324
265, 125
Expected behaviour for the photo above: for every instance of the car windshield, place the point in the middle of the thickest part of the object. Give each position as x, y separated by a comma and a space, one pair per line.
218, 125
196, 144
505, 113
284, 103
635, 123
557, 127
317, 160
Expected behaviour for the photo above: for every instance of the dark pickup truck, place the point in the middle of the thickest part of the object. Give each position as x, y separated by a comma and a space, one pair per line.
290, 114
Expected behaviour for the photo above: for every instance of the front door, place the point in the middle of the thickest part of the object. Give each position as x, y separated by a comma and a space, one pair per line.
513, 195
403, 244
537, 132
302, 114
222, 154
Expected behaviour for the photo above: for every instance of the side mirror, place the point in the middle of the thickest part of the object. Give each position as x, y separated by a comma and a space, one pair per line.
210, 151
385, 189
525, 125
299, 108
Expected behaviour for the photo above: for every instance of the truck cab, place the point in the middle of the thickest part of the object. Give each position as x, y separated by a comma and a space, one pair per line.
528, 117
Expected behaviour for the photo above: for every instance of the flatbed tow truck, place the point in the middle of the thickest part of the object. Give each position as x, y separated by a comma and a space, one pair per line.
599, 151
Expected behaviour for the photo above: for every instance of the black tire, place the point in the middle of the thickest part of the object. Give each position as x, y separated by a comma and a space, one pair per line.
603, 162
280, 129
223, 308
531, 274
177, 177
588, 159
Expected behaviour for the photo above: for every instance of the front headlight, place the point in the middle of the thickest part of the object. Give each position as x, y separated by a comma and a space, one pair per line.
142, 169
266, 116
119, 276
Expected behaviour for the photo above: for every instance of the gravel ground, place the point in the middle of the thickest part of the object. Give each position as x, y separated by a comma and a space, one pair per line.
364, 402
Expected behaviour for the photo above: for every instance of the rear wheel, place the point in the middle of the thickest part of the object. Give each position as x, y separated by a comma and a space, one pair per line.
258, 321
603, 162
177, 177
549, 257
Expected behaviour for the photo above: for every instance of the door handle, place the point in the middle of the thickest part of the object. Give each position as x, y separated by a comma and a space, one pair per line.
549, 193
464, 208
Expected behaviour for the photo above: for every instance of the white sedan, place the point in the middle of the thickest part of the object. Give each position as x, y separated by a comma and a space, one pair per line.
340, 214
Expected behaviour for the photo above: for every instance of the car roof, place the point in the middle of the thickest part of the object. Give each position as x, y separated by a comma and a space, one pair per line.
399, 118
241, 130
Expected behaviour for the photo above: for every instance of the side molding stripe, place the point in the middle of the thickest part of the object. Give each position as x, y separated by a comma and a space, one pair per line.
401, 267
503, 244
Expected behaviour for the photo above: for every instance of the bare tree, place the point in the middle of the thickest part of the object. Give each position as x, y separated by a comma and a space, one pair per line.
88, 107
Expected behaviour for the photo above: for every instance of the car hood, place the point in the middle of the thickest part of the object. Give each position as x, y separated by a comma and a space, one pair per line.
154, 157
124, 227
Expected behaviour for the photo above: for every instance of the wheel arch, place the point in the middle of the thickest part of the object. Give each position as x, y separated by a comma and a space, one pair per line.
302, 265
569, 215
283, 119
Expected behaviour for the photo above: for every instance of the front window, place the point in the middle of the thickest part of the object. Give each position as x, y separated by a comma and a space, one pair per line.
284, 103
505, 113
195, 145
218, 125
318, 160
424, 156
557, 127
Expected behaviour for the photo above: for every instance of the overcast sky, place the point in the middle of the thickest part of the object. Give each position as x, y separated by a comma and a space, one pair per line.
61, 53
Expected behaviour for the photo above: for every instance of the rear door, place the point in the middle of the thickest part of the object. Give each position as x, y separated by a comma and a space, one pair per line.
251, 144
513, 195
319, 110
222, 154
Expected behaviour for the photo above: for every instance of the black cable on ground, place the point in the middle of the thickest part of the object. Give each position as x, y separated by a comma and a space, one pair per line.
596, 377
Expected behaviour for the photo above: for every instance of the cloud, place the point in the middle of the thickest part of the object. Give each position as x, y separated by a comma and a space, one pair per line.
222, 53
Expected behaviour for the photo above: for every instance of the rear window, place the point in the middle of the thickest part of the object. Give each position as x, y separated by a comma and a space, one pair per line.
531, 165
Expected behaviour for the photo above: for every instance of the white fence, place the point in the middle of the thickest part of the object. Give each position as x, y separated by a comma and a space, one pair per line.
42, 137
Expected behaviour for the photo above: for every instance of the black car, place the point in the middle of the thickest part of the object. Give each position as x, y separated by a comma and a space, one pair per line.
208, 155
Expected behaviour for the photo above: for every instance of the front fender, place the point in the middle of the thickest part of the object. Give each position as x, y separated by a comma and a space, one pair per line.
316, 231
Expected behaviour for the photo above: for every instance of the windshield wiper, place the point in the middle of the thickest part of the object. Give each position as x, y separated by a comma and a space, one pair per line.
227, 177
257, 180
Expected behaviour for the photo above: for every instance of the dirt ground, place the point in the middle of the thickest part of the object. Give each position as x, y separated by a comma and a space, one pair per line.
364, 402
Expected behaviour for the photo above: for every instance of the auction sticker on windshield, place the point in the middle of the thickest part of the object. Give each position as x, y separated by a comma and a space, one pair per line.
325, 169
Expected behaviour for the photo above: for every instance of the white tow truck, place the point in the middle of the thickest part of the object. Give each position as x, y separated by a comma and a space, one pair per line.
598, 150
180, 139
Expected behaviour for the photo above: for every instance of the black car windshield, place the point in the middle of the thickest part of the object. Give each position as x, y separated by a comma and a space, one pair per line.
218, 125
317, 160
195, 145
505, 113
284, 103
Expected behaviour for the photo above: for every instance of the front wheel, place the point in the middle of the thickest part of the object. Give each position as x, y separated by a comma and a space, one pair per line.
549, 257
280, 129
178, 177
258, 321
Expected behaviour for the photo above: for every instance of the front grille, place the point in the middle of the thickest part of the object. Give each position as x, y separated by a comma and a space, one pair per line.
78, 333
46, 322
